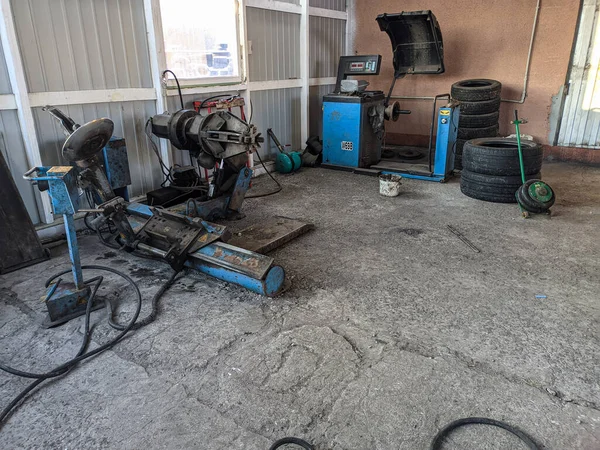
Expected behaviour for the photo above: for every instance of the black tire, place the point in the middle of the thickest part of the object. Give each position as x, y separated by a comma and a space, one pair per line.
458, 162
478, 120
458, 152
531, 204
500, 156
525, 203
474, 133
459, 146
476, 90
484, 107
491, 188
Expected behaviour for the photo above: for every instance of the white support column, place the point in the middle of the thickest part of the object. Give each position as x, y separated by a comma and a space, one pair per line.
244, 65
16, 73
158, 63
350, 26
304, 68
243, 34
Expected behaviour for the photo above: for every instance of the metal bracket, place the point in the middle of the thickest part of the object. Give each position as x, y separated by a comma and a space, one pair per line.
175, 234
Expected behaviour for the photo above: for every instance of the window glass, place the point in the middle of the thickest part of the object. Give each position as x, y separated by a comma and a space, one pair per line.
201, 37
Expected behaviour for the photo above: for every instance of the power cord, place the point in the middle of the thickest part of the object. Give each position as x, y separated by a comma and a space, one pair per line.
82, 354
291, 440
178, 86
166, 171
279, 186
155, 307
438, 440
206, 100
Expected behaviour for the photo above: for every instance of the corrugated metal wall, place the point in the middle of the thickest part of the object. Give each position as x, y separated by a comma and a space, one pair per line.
580, 126
275, 55
327, 44
5, 87
278, 109
337, 5
12, 146
71, 45
275, 40
315, 108
129, 118
13, 149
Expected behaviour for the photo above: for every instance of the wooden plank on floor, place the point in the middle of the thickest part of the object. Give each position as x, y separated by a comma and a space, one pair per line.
272, 234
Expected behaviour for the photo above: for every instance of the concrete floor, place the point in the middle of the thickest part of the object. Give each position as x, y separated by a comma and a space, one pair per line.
392, 328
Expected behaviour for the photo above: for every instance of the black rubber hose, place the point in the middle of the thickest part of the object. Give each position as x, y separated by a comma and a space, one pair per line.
155, 307
438, 441
275, 191
206, 100
178, 85
81, 354
291, 440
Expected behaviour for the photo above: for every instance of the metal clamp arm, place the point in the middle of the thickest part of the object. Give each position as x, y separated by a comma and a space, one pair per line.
67, 123
27, 175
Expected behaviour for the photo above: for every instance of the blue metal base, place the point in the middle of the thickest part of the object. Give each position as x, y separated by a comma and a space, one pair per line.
65, 302
437, 178
269, 286
248, 269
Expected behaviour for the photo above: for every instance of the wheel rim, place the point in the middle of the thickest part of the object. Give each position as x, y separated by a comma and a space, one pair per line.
540, 192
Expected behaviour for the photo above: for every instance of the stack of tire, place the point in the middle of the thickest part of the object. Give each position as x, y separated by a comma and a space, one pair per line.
491, 168
479, 112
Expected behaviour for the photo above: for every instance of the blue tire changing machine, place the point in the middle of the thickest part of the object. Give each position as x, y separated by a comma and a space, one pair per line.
354, 118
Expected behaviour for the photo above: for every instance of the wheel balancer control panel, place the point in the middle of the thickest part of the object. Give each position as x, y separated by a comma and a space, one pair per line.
357, 65
360, 65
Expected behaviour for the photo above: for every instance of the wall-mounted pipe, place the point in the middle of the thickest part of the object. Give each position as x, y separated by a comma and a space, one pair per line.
527, 67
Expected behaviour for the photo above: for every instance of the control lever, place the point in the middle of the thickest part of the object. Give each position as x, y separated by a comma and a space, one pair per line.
68, 124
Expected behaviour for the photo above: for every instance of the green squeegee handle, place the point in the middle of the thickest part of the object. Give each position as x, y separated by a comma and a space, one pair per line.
517, 122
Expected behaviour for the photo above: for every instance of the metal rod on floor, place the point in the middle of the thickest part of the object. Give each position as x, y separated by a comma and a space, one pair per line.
463, 238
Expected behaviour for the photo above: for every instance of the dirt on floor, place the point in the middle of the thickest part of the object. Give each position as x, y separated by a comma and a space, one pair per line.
391, 328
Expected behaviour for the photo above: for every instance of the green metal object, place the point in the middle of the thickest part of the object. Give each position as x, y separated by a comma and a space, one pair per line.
540, 191
285, 162
517, 123
288, 162
538, 197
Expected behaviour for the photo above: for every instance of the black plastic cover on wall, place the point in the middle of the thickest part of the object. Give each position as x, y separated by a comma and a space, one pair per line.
416, 42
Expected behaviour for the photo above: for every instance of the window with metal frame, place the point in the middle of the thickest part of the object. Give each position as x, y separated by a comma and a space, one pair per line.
202, 40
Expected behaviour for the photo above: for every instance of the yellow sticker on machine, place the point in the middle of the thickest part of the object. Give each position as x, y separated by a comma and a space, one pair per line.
444, 112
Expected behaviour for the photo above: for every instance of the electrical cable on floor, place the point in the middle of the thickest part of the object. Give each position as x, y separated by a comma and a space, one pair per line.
178, 86
438, 440
155, 307
279, 186
82, 354
291, 440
